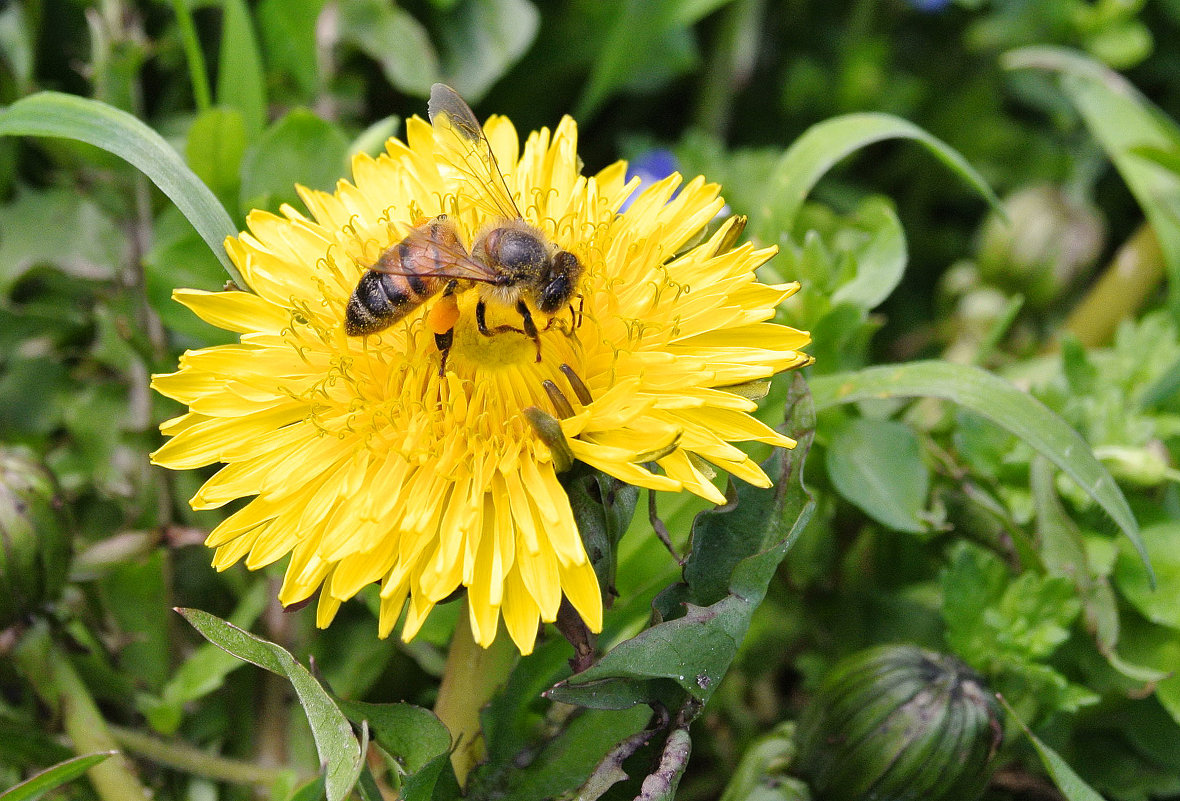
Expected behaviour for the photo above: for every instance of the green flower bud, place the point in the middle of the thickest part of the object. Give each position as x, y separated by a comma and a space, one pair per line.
1048, 243
898, 723
35, 545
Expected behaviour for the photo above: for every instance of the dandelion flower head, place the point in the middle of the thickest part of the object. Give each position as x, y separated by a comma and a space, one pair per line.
365, 465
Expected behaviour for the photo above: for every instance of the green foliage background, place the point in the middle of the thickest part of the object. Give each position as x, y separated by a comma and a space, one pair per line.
995, 420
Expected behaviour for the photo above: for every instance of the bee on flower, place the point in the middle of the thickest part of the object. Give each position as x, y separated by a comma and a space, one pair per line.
376, 409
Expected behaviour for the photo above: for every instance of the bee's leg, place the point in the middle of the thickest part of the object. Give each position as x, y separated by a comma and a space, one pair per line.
530, 328
481, 321
443, 342
577, 318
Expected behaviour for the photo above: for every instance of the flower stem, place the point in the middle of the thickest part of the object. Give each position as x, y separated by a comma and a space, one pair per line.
193, 760
198, 73
1133, 274
53, 678
471, 677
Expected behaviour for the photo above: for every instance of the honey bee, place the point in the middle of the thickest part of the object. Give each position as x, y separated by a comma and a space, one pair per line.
512, 262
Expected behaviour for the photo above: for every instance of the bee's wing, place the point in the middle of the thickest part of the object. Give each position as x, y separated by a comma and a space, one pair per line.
427, 257
465, 149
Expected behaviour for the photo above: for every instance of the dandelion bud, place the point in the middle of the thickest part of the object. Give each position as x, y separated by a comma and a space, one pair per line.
895, 723
1048, 243
34, 538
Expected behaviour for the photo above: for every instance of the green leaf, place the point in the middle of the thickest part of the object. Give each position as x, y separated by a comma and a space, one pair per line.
1067, 781
415, 736
1127, 125
240, 81
288, 30
880, 264
60, 115
877, 465
216, 142
1157, 604
300, 149
336, 745
1000, 402
397, 41
482, 39
52, 778
825, 144
136, 598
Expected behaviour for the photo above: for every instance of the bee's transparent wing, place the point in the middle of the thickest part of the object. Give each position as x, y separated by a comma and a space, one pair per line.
432, 257
465, 148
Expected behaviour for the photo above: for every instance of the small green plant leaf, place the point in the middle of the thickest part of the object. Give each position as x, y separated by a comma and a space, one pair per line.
1005, 405
337, 746
485, 38
1158, 603
216, 142
71, 117
880, 264
828, 142
877, 465
395, 39
54, 777
1068, 782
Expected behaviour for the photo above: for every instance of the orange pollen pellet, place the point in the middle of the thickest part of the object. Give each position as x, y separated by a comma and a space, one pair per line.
443, 314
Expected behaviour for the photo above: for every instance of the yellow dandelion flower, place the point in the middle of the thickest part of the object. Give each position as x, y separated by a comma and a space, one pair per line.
367, 463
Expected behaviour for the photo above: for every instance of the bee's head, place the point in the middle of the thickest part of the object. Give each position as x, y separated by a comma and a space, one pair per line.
560, 282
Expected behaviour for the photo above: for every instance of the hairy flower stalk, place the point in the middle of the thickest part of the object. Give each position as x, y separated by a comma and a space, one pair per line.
366, 463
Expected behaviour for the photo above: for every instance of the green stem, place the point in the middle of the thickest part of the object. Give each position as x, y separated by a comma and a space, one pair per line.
1132, 276
192, 760
198, 72
472, 676
53, 678
730, 65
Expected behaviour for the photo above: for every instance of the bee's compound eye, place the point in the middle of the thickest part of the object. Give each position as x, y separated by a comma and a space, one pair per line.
518, 250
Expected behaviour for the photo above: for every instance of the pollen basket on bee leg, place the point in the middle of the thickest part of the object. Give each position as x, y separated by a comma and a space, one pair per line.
443, 315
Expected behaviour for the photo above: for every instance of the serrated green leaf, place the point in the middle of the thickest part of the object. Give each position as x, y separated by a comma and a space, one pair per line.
1005, 405
61, 115
336, 745
877, 465
54, 777
825, 144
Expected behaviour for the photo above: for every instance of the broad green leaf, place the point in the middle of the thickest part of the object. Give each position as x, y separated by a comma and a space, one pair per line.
482, 39
1159, 603
216, 142
300, 149
136, 596
241, 84
336, 745
1127, 125
395, 40
880, 264
288, 31
1000, 402
877, 465
86, 243
54, 777
1067, 781
413, 735
825, 144
60, 115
